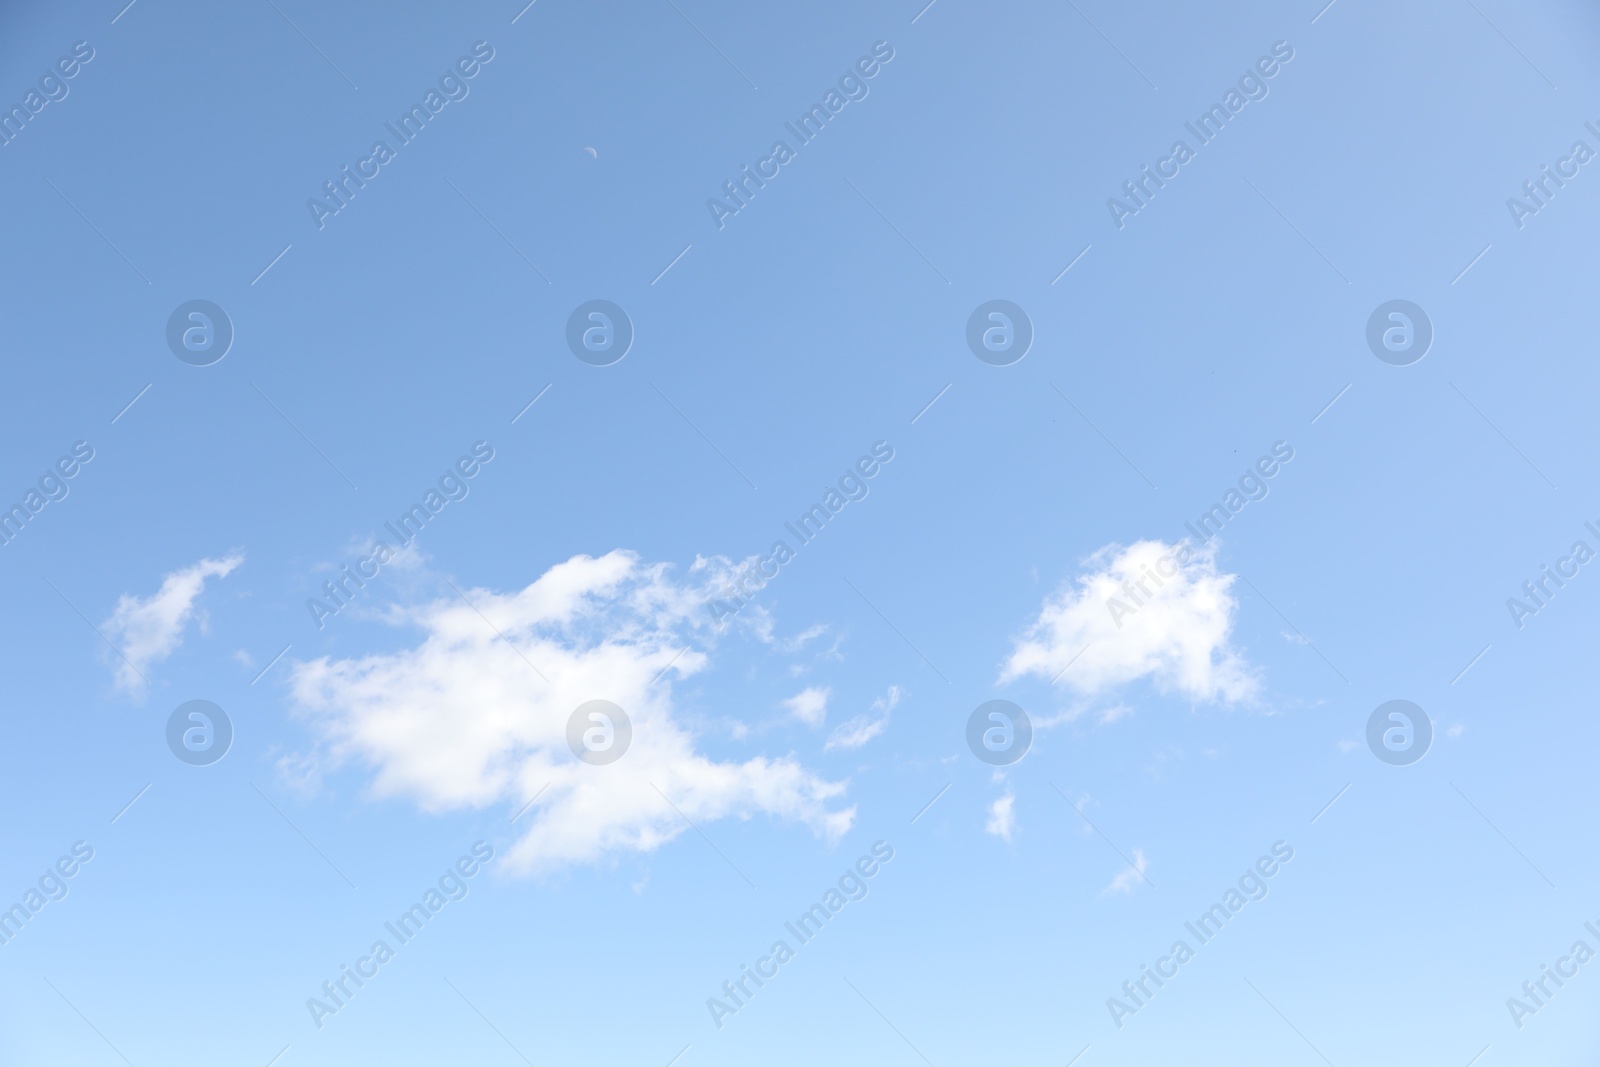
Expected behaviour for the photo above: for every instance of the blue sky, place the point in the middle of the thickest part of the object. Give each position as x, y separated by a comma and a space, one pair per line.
588, 523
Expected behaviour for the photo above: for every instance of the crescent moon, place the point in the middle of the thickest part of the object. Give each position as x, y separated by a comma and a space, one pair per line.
592, 153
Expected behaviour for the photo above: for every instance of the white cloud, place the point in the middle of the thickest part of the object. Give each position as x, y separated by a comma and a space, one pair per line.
810, 706
1113, 713
150, 629
1111, 630
799, 641
1078, 709
863, 728
1050, 722
1081, 805
1002, 817
462, 720
1128, 878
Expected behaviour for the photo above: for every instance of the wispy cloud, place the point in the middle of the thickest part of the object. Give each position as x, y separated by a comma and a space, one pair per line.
863, 728
1115, 712
149, 629
1127, 879
1002, 817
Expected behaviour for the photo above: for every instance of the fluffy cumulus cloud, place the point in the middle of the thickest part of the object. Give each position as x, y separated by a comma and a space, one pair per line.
810, 706
863, 728
1150, 610
149, 629
476, 715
